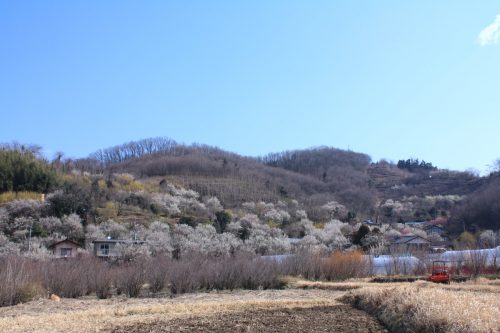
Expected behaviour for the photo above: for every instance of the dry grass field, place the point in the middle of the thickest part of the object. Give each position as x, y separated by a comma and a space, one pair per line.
427, 307
185, 313
303, 307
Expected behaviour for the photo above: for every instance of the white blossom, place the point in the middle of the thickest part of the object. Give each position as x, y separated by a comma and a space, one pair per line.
71, 226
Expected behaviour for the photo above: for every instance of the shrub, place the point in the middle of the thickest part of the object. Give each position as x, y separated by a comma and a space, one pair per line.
305, 264
19, 280
182, 277
157, 273
345, 265
66, 278
261, 274
100, 278
28, 292
338, 266
245, 272
130, 278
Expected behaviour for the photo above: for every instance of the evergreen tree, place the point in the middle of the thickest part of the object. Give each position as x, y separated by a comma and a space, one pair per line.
21, 170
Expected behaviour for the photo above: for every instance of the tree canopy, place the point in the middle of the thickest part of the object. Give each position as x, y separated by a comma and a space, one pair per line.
415, 165
21, 170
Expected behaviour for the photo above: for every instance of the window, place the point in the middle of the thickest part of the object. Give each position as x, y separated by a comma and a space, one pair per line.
104, 249
66, 252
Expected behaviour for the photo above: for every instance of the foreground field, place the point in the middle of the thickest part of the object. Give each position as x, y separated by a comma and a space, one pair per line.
332, 318
303, 307
288, 310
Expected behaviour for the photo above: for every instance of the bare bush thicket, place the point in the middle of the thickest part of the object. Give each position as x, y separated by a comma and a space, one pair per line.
100, 278
477, 262
130, 278
66, 278
480, 208
20, 280
337, 266
345, 265
158, 273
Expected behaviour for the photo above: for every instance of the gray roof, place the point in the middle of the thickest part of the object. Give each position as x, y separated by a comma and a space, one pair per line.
409, 239
121, 241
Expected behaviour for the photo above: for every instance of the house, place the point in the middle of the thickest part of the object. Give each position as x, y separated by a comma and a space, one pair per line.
408, 244
441, 220
65, 249
105, 248
414, 224
434, 229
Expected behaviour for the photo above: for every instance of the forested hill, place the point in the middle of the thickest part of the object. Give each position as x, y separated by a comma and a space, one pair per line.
323, 163
314, 177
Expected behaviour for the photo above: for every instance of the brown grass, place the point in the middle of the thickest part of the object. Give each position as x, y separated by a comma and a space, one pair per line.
344, 265
11, 196
84, 315
403, 307
427, 307
293, 282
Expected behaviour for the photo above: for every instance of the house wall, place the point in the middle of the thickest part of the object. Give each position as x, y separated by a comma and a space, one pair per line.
100, 253
408, 247
57, 250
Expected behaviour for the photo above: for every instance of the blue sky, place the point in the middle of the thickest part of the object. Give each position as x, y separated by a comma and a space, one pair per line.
393, 79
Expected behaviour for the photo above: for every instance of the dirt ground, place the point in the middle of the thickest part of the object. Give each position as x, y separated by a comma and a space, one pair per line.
289, 310
336, 318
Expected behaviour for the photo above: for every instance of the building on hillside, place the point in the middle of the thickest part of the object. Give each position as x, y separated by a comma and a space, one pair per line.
370, 222
414, 224
434, 229
408, 244
65, 249
441, 220
440, 247
106, 248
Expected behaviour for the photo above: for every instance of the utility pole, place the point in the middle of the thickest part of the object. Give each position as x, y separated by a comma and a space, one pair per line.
29, 240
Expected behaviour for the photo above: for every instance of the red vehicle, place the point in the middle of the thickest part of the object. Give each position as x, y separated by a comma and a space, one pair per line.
440, 272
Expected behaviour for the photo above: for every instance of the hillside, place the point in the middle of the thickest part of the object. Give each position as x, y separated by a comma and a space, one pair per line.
315, 176
392, 182
144, 181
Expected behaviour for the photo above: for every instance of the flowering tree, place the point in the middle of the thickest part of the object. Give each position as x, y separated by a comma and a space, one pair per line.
8, 248
489, 239
51, 224
158, 239
335, 210
114, 230
300, 214
71, 227
277, 216
213, 205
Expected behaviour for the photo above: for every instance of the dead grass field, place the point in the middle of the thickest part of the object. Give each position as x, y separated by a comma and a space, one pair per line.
472, 306
427, 307
90, 315
306, 306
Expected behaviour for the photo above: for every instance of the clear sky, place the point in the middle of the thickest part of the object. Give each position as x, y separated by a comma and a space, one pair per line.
393, 79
